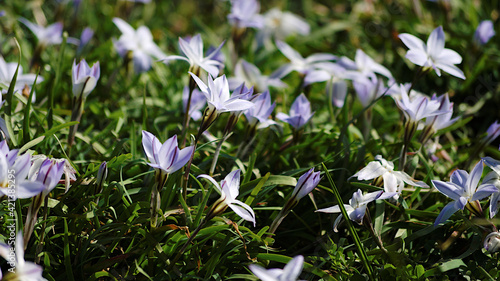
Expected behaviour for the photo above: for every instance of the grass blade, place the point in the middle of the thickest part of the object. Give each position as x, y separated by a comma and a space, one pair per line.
357, 241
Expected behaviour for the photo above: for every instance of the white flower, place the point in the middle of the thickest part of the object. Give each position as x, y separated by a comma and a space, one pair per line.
356, 208
193, 51
49, 35
245, 72
433, 54
290, 272
394, 181
24, 271
7, 71
139, 42
84, 78
279, 24
229, 190
297, 62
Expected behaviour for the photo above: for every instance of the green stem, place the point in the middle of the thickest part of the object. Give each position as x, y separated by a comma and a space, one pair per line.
352, 230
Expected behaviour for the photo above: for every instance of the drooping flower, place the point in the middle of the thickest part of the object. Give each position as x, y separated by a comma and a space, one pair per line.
279, 24
394, 181
49, 35
290, 272
356, 208
484, 32
463, 189
297, 62
192, 48
139, 42
84, 78
245, 72
229, 190
245, 13
433, 54
167, 157
24, 270
300, 113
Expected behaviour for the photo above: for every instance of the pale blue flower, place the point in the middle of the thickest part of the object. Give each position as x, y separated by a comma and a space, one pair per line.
433, 54
258, 115
368, 89
14, 170
300, 113
192, 48
297, 62
334, 74
84, 78
462, 188
49, 35
493, 178
245, 72
167, 157
492, 133
356, 208
290, 272
419, 107
306, 183
484, 32
139, 42
363, 66
245, 13
218, 95
229, 190
443, 120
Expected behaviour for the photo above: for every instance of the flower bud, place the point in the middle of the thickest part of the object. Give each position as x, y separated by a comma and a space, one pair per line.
492, 242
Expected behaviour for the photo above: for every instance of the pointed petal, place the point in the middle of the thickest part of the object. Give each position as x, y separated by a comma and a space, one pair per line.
449, 189
412, 42
210, 179
435, 43
245, 212
182, 158
474, 178
124, 27
292, 270
446, 213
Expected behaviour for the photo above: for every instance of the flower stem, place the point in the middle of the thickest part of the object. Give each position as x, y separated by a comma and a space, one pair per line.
185, 123
190, 239
217, 152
